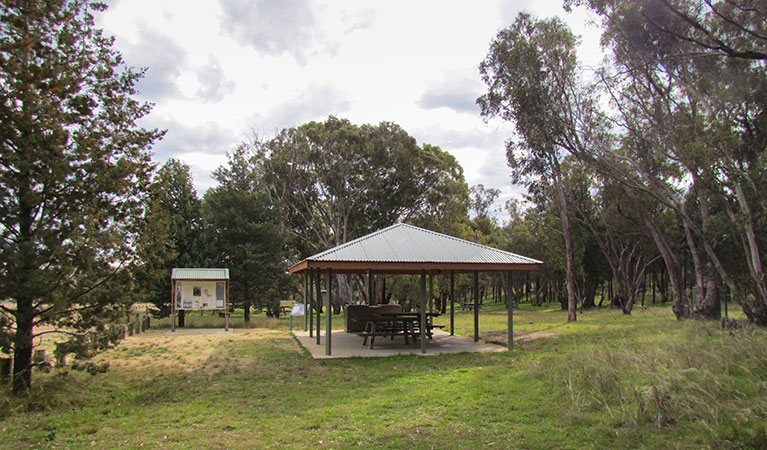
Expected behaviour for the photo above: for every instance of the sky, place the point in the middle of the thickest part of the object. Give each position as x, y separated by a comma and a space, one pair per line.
222, 71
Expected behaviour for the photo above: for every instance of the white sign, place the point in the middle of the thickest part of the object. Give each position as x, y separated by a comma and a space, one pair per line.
298, 310
200, 294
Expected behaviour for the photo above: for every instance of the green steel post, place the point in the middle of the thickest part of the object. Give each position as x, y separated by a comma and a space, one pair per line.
311, 304
452, 303
510, 312
370, 288
476, 306
423, 311
306, 302
318, 296
328, 315
431, 292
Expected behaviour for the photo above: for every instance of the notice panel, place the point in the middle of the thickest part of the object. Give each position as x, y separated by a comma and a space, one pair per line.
200, 294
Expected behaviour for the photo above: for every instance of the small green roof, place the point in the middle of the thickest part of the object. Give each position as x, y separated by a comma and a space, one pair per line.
199, 274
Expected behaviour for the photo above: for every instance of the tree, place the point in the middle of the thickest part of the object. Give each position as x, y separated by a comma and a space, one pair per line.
245, 230
172, 235
75, 167
688, 83
531, 76
617, 232
338, 181
482, 199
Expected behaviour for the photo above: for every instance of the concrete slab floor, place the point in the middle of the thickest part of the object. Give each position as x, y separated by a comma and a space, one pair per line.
349, 345
193, 331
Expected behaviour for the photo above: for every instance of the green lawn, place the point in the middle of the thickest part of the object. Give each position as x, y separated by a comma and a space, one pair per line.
601, 382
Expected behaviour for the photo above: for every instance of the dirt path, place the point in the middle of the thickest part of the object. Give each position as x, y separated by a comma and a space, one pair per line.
501, 337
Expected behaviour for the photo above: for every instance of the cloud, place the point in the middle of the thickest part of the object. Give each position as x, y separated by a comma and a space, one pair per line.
316, 102
453, 138
213, 83
165, 61
361, 21
276, 27
202, 146
207, 138
459, 94
495, 170
508, 11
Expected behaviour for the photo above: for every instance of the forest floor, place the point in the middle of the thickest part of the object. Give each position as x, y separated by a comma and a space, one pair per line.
606, 381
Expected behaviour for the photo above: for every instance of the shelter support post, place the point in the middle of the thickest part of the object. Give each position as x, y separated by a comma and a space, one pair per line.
226, 307
452, 303
476, 306
319, 299
423, 311
370, 288
311, 303
173, 306
431, 296
306, 302
510, 312
328, 315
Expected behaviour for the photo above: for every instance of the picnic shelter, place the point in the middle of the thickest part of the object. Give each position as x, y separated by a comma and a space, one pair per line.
406, 249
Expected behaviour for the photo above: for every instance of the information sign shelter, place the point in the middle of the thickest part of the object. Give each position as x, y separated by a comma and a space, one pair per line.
201, 289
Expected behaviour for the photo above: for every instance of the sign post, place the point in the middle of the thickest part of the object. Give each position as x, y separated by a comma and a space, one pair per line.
297, 310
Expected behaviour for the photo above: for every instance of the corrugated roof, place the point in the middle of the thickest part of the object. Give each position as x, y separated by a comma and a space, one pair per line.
200, 274
408, 244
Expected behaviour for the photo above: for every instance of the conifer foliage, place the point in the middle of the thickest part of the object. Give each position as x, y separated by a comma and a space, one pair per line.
73, 172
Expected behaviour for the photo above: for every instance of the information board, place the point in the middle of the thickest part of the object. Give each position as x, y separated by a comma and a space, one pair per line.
298, 310
200, 294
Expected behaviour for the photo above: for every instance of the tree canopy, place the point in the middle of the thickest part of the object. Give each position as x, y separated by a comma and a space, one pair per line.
75, 167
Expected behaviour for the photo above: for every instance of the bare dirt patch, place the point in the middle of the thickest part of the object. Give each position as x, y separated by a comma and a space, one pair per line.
501, 337
157, 352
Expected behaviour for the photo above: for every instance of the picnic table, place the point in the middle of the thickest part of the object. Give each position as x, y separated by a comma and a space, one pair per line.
391, 324
285, 306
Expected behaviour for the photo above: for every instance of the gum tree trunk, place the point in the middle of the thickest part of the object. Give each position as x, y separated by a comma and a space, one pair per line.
570, 252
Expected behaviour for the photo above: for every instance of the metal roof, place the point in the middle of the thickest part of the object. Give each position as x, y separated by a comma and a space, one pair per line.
406, 244
199, 274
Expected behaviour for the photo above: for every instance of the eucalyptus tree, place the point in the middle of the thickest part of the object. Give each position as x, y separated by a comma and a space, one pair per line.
75, 167
337, 181
616, 227
688, 80
532, 76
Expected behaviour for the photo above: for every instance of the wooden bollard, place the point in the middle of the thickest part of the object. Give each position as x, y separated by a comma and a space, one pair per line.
5, 369
148, 322
123, 331
138, 327
129, 326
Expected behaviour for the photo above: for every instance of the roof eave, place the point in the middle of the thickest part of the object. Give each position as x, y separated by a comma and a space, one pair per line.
396, 268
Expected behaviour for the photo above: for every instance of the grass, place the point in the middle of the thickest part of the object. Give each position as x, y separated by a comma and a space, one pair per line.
600, 382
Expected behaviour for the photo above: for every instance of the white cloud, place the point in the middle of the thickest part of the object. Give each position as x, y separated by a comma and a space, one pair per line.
276, 27
315, 102
459, 94
164, 59
214, 85
219, 69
